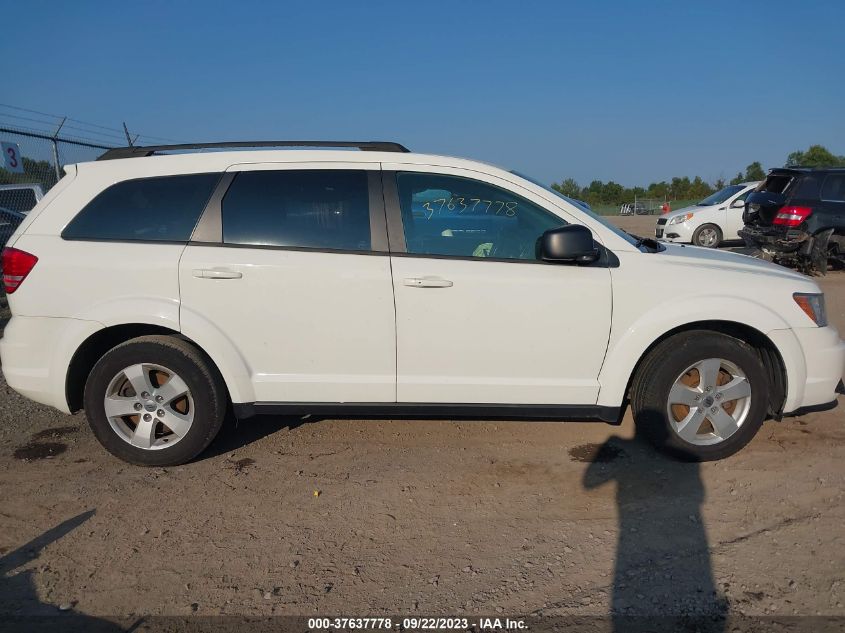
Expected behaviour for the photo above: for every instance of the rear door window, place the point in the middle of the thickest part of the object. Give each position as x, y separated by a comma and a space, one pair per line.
320, 209
161, 209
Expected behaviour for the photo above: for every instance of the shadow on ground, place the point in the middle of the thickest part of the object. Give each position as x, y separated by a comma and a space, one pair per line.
236, 434
21, 609
662, 563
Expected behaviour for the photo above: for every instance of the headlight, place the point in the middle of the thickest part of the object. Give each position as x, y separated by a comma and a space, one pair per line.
680, 218
813, 306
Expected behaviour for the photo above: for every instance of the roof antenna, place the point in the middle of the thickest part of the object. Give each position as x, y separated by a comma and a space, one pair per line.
126, 131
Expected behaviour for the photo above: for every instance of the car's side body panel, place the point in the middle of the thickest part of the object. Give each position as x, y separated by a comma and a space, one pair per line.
449, 339
142, 286
504, 332
308, 326
700, 296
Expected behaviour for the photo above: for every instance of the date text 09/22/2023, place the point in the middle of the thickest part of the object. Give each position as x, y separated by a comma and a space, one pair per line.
418, 623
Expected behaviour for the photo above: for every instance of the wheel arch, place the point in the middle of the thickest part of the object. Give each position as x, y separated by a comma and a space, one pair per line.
720, 232
97, 344
770, 355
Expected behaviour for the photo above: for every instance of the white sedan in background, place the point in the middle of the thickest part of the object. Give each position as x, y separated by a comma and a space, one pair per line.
710, 222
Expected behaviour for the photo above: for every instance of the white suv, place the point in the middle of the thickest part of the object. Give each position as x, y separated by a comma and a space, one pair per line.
153, 290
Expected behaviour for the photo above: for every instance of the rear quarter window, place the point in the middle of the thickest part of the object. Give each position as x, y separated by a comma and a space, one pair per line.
833, 189
161, 209
808, 187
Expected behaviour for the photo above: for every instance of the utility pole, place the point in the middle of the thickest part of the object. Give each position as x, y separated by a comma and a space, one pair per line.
126, 131
56, 150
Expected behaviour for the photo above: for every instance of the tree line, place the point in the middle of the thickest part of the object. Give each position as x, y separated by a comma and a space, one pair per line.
682, 188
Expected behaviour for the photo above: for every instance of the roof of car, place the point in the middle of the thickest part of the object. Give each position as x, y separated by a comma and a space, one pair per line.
195, 161
800, 169
239, 152
135, 151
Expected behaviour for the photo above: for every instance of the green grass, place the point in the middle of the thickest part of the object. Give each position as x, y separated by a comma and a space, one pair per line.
613, 209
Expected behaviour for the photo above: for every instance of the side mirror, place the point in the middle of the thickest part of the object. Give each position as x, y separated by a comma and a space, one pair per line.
738, 204
571, 243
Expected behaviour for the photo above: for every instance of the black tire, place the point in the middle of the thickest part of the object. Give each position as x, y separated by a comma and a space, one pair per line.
661, 368
696, 236
196, 370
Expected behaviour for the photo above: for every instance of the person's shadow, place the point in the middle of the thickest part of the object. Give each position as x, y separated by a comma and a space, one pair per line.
20, 607
662, 575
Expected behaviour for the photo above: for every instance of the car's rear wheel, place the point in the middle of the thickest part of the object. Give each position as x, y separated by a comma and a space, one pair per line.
701, 395
155, 401
707, 235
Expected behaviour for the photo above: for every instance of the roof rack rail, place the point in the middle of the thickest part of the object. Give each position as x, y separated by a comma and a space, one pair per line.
810, 168
149, 150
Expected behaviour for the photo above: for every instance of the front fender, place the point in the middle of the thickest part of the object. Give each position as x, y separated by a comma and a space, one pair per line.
629, 341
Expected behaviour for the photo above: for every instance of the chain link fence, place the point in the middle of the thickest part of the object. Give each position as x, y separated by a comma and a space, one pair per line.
36, 146
34, 162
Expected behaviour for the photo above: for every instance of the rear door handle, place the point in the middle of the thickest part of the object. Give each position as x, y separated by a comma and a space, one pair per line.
216, 273
427, 282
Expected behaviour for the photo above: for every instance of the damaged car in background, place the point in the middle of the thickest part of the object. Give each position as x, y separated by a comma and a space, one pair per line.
797, 217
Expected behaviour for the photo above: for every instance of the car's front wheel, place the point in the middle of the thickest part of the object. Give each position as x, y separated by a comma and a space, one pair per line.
707, 235
701, 395
155, 401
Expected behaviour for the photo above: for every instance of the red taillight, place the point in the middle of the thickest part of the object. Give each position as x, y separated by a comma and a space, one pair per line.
792, 216
16, 265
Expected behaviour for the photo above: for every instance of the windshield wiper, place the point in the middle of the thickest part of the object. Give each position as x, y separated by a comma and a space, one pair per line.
648, 242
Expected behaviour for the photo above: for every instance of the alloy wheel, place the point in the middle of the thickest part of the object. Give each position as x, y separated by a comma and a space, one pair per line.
709, 401
149, 406
707, 237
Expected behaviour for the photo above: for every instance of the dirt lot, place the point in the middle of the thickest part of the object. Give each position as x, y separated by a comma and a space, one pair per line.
360, 517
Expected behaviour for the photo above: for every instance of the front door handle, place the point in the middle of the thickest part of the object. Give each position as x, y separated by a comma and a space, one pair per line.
427, 282
216, 273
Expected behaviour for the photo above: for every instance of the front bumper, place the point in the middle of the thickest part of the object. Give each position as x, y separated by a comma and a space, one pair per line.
678, 233
815, 362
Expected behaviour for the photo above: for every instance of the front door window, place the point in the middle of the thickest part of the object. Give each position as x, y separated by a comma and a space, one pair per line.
461, 217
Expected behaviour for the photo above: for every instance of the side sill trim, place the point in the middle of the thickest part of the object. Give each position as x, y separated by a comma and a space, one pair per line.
423, 410
815, 408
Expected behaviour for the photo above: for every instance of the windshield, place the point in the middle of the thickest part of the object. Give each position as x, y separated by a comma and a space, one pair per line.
585, 208
720, 196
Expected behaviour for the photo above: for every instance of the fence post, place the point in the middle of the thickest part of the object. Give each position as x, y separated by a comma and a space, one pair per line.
56, 150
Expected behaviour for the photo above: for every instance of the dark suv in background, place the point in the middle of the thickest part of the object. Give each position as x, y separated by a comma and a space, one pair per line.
797, 216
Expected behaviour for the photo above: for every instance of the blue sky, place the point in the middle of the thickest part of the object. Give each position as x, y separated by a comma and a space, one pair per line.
630, 91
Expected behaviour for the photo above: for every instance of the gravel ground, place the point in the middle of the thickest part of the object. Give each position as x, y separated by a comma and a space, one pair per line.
354, 517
